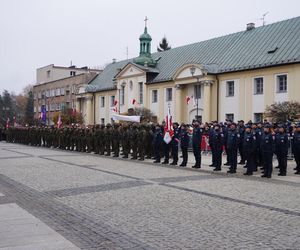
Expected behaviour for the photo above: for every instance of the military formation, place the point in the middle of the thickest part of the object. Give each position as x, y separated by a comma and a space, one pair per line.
254, 143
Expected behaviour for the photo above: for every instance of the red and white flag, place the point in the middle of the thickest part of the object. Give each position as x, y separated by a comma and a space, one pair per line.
115, 103
133, 101
115, 109
73, 111
59, 122
187, 99
169, 131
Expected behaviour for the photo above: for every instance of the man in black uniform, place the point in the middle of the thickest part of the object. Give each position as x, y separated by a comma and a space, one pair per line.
218, 142
174, 143
233, 139
184, 144
249, 146
267, 147
241, 130
157, 140
197, 139
281, 148
296, 148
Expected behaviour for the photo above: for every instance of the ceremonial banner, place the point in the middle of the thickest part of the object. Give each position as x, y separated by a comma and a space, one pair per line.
133, 118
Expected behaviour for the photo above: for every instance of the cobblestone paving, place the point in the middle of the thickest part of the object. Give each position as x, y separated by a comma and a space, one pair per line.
103, 203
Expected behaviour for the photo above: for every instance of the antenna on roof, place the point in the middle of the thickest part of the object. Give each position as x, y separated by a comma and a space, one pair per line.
71, 63
263, 18
127, 52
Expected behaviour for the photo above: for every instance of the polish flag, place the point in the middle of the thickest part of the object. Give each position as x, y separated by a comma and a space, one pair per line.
133, 101
169, 131
115, 109
187, 99
115, 103
59, 122
194, 101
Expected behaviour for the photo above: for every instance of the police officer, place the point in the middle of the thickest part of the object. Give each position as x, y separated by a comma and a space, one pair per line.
241, 130
218, 142
196, 140
184, 144
233, 139
174, 143
249, 147
157, 141
281, 148
296, 148
267, 147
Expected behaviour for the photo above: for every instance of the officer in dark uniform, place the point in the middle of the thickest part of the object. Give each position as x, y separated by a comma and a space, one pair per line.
218, 142
233, 139
296, 148
196, 140
281, 148
241, 130
174, 143
211, 138
249, 147
157, 141
184, 144
267, 147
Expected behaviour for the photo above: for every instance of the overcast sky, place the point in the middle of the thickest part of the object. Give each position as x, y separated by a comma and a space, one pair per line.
35, 33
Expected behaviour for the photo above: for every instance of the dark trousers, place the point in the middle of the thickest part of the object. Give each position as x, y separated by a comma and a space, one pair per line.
197, 154
166, 148
157, 153
241, 151
218, 158
282, 162
268, 163
175, 153
250, 158
227, 156
297, 159
213, 155
184, 155
232, 153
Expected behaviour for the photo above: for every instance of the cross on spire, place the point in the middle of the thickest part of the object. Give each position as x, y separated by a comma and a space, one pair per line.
146, 19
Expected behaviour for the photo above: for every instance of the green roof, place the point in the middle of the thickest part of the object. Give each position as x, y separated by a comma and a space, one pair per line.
265, 46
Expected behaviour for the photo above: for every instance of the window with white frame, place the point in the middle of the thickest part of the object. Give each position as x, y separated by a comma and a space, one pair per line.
258, 117
230, 117
169, 94
258, 85
102, 101
230, 88
141, 92
72, 73
102, 121
112, 101
281, 81
197, 91
52, 92
57, 91
62, 91
154, 95
122, 95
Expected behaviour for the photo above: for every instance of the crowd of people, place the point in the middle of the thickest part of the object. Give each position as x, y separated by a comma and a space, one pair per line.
254, 143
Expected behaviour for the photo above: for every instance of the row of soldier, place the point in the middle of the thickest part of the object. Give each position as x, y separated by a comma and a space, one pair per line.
254, 143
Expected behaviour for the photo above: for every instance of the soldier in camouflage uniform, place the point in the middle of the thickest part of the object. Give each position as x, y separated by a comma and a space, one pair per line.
116, 140
134, 141
107, 139
141, 139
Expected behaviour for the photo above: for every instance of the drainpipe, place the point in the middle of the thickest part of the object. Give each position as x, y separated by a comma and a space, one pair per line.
94, 108
218, 97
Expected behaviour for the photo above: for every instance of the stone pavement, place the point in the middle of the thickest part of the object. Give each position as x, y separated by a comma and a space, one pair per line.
92, 202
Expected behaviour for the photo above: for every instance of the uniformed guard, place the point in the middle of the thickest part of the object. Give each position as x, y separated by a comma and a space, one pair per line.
184, 144
281, 148
241, 131
218, 142
296, 148
157, 141
174, 143
233, 139
267, 147
249, 147
196, 140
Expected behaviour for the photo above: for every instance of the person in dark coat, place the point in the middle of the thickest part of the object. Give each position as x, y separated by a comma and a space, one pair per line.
174, 143
249, 147
296, 148
281, 148
184, 144
197, 139
218, 142
267, 147
157, 141
233, 139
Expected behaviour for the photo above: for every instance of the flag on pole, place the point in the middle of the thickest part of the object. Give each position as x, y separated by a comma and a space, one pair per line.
115, 103
59, 122
187, 99
169, 131
7, 122
115, 109
133, 101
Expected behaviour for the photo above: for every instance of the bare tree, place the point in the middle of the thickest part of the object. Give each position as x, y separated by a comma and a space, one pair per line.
283, 111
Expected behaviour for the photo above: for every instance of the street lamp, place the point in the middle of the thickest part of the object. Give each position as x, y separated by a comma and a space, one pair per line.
193, 70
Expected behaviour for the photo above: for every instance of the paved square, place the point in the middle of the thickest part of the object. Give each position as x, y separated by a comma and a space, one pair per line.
94, 202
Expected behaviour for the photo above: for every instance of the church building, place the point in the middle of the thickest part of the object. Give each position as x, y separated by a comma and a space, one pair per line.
234, 76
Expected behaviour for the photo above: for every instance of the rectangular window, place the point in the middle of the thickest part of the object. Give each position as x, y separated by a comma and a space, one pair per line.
230, 117
122, 95
112, 101
102, 101
169, 94
62, 91
230, 88
258, 117
48, 73
154, 96
102, 121
197, 91
281, 83
72, 73
258, 86
141, 94
58, 92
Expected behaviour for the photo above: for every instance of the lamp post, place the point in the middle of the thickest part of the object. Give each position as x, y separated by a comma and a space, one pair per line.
193, 70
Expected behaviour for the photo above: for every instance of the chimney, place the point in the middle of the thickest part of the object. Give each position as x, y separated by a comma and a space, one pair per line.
250, 26
114, 60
